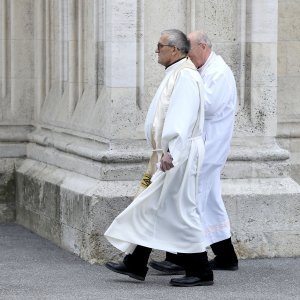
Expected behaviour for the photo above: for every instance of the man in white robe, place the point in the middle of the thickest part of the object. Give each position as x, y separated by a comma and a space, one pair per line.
165, 215
220, 108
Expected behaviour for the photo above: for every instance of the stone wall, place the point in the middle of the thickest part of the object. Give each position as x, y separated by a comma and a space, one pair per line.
288, 81
77, 77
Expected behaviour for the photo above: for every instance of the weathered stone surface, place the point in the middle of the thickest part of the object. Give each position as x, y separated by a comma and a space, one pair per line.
264, 216
7, 189
293, 145
288, 58
69, 209
100, 170
246, 169
264, 15
74, 211
289, 88
23, 21
78, 77
289, 23
219, 20
288, 81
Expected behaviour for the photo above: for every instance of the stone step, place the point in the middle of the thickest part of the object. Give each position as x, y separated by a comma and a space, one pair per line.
70, 209
74, 211
265, 216
110, 166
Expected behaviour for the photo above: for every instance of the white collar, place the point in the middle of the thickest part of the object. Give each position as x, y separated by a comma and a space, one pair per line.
175, 65
208, 61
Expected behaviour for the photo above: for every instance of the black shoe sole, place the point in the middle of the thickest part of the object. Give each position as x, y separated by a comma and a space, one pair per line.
226, 269
132, 275
235, 268
201, 283
166, 272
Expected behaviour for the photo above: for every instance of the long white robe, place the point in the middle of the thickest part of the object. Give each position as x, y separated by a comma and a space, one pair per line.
220, 107
165, 215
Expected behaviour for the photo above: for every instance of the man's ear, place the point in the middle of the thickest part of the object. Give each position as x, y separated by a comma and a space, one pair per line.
174, 51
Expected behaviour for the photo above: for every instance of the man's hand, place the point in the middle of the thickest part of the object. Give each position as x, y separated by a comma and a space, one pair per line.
166, 162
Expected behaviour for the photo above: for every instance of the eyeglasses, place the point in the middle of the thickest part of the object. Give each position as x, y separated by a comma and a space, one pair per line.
159, 46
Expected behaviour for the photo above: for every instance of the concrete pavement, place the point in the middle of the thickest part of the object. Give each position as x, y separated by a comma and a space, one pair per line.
33, 268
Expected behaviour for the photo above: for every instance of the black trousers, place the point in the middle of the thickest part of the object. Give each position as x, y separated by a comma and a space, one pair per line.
195, 264
223, 250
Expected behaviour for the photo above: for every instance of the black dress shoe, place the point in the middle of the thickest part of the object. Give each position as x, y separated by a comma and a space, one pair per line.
188, 281
167, 267
121, 268
215, 265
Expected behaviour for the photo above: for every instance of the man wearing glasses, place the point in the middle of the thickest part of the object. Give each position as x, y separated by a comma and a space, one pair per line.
220, 106
165, 215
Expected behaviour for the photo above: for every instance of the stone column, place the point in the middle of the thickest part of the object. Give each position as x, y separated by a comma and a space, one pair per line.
257, 187
85, 152
16, 87
288, 81
17, 76
77, 77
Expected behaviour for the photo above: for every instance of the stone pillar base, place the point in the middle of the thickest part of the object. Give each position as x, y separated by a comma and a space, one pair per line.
264, 216
74, 210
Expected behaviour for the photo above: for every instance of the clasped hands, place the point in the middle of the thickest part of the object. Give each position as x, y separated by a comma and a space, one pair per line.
166, 162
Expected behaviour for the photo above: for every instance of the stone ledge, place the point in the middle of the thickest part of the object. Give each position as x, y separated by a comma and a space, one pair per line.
73, 211
264, 215
88, 147
256, 169
13, 150
257, 149
14, 133
261, 186
289, 128
70, 209
87, 167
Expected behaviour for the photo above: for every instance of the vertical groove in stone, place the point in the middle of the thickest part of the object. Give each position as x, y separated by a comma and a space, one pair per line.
140, 54
61, 46
40, 56
65, 42
243, 26
191, 16
80, 47
4, 49
96, 42
48, 46
73, 53
12, 61
104, 43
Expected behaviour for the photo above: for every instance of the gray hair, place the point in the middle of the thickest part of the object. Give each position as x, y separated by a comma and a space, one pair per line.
178, 39
203, 38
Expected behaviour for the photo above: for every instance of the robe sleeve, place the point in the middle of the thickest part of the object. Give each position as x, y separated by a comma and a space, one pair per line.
182, 115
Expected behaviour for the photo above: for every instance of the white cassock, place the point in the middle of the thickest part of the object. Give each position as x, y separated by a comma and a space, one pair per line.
165, 215
220, 107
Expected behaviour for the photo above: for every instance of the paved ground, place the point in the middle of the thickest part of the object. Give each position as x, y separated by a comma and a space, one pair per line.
33, 268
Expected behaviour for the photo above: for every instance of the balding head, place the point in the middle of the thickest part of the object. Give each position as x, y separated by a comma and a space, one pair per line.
200, 47
200, 37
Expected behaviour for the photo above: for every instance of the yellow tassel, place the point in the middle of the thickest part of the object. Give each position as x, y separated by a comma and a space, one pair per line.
146, 180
